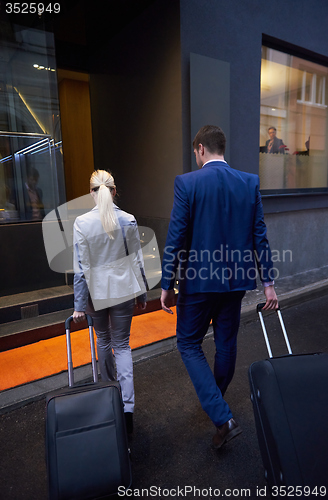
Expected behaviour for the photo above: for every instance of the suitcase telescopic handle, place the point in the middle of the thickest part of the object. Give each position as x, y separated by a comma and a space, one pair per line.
259, 308
69, 350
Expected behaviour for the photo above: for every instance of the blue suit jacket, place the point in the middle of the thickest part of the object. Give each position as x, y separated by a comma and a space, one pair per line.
217, 234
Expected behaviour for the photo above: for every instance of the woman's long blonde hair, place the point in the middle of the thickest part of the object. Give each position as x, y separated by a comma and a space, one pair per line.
103, 183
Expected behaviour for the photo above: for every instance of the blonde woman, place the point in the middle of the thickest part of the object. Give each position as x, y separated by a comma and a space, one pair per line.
108, 276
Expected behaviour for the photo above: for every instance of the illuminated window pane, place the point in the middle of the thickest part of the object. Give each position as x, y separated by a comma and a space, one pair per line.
293, 123
31, 165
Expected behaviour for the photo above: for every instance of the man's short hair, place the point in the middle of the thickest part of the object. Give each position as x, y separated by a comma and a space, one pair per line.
212, 138
272, 128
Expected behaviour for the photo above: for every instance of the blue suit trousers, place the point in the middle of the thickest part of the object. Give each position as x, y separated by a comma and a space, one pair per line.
194, 314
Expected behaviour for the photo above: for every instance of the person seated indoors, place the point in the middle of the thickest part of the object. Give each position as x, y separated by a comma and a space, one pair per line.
274, 145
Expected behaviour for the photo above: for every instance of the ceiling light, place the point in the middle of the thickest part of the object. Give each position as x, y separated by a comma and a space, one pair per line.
36, 66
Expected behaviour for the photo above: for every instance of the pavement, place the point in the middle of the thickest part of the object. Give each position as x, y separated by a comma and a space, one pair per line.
171, 450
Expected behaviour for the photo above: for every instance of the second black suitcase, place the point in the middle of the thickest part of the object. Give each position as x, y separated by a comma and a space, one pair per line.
86, 441
290, 403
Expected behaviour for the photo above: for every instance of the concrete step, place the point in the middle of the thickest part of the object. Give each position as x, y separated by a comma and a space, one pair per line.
30, 304
29, 330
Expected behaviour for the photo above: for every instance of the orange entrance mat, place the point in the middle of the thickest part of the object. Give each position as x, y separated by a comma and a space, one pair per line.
48, 357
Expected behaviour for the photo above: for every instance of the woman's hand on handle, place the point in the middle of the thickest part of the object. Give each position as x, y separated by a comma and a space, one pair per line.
78, 316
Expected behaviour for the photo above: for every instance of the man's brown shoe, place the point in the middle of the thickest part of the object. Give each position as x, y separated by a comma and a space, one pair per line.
226, 432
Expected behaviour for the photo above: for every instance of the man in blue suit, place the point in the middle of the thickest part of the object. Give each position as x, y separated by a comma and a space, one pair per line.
217, 239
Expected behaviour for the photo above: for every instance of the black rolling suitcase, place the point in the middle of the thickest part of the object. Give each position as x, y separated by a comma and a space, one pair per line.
290, 402
86, 442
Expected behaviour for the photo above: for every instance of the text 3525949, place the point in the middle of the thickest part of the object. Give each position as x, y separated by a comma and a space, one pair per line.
32, 8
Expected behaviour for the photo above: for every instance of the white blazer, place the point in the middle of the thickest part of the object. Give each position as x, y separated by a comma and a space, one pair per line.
111, 270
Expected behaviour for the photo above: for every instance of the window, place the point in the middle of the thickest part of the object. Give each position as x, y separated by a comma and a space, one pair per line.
27, 182
293, 124
31, 165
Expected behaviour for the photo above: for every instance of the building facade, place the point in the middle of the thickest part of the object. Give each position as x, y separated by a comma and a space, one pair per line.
82, 89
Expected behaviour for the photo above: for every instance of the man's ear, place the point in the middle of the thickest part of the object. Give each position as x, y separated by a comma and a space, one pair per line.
201, 149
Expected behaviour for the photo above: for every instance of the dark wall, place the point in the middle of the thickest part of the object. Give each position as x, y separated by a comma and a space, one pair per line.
24, 265
135, 91
135, 86
232, 31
